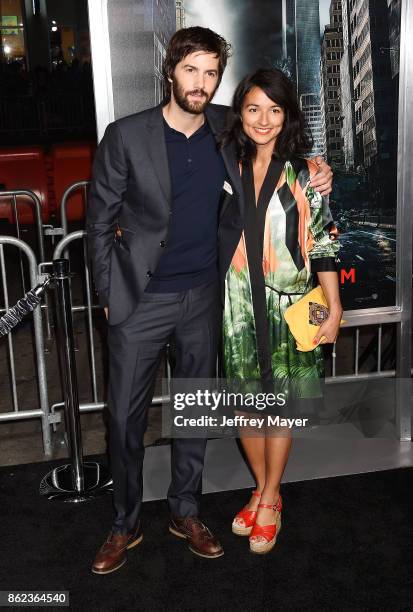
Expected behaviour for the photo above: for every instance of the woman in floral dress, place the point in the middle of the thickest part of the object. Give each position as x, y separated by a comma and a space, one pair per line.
288, 238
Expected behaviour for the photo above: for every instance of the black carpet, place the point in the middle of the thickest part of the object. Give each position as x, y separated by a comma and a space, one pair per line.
346, 544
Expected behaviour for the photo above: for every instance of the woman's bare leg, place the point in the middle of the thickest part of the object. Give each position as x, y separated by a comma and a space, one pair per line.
277, 449
253, 444
254, 449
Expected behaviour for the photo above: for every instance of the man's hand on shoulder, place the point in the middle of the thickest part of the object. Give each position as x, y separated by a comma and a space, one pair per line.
323, 180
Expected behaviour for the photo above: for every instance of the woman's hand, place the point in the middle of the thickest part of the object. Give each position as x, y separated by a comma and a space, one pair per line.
323, 180
328, 331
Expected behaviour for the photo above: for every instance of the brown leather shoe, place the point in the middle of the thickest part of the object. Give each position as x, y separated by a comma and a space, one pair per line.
200, 540
112, 554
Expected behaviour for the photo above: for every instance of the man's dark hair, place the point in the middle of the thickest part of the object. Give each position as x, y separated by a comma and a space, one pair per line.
190, 40
294, 140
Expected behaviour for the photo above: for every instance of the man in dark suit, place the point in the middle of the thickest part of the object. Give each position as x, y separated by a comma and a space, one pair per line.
165, 206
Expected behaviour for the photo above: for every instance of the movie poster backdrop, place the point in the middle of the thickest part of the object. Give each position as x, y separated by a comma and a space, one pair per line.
343, 56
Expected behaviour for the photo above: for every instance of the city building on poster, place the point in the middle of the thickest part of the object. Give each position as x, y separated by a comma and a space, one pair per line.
311, 107
139, 35
348, 123
180, 14
331, 55
361, 139
368, 96
301, 29
343, 57
307, 46
394, 34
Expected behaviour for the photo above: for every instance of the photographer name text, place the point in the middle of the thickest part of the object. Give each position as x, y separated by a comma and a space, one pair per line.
239, 421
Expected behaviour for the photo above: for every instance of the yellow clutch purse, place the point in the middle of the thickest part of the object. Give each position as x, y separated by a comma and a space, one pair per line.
305, 316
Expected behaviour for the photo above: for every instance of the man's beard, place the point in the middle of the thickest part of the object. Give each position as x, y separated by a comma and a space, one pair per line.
181, 98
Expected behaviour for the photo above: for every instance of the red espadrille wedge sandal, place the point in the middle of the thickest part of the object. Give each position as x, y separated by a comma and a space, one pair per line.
263, 537
245, 519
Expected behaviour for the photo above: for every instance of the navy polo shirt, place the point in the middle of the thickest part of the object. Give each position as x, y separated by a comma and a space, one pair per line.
197, 176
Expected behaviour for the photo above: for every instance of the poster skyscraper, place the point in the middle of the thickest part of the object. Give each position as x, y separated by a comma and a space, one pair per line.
307, 36
301, 51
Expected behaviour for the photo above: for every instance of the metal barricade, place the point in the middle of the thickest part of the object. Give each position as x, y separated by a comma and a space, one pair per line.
43, 411
81, 185
36, 206
48, 415
33, 201
356, 323
64, 230
357, 375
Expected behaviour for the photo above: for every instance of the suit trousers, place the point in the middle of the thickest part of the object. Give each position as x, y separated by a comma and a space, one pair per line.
191, 320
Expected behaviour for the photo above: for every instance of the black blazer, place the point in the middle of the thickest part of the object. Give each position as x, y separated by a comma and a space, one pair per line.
131, 187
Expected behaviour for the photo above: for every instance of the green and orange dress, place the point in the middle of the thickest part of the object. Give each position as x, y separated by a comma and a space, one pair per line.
288, 235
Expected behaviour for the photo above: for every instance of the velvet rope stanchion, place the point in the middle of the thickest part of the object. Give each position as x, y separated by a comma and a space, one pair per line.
26, 304
79, 480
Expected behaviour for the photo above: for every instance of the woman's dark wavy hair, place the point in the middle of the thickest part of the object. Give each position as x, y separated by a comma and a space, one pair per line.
294, 140
190, 40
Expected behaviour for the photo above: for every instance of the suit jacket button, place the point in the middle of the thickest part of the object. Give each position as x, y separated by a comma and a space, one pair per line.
162, 243
149, 274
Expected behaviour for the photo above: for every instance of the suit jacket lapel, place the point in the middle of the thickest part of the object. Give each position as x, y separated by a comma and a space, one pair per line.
229, 156
157, 151
159, 157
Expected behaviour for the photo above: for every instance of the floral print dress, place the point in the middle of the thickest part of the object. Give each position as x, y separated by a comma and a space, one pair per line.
297, 238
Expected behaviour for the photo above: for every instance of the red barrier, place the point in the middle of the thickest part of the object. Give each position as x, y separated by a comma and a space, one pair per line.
23, 168
72, 162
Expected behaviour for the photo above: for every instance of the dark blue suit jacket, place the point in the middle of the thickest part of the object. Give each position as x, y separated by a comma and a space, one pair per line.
131, 188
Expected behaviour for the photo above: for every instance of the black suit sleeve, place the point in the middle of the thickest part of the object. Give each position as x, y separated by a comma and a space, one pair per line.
109, 182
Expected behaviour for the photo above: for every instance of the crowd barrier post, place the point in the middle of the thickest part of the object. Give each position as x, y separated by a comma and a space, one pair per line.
79, 480
80, 185
43, 412
33, 201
